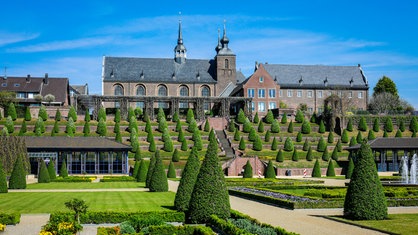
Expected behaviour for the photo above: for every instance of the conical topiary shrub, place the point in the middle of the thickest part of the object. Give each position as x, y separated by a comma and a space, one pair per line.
256, 118
136, 169
376, 125
248, 170
284, 119
330, 169
361, 204
309, 154
279, 156
305, 145
260, 128
350, 125
18, 176
142, 172
388, 125
321, 128
175, 157
257, 145
51, 170
288, 145
43, 175
275, 127
171, 173
370, 135
362, 125
3, 179
187, 182
267, 136
269, 172
151, 168
353, 141
334, 154
242, 144
325, 155
359, 138
158, 182
321, 145
344, 136
274, 144
316, 171
350, 169
330, 138
295, 156
306, 127
290, 127
63, 170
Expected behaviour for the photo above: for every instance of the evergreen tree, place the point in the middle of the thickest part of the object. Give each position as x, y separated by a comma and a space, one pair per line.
102, 114
361, 204
330, 169
148, 128
237, 136
398, 134
295, 156
136, 169
256, 118
101, 127
274, 144
330, 137
321, 128
305, 145
10, 126
51, 170
359, 138
309, 154
198, 140
353, 141
240, 118
325, 155
23, 129
269, 172
321, 145
339, 146
162, 124
178, 126
242, 144
137, 155
175, 157
38, 131
290, 127
248, 170
63, 170
247, 126
350, 125
180, 136
288, 145
43, 175
189, 116
142, 172
184, 145
260, 127
3, 179
56, 128
187, 182
210, 193
413, 125
284, 119
18, 176
207, 126
362, 125
192, 126
116, 127
176, 117
316, 171
252, 135
350, 169
269, 117
231, 127
151, 168
158, 181
40, 125
118, 137
371, 135
401, 125
306, 127
275, 127
28, 115
73, 114
171, 173
267, 136
257, 145
299, 118
133, 124
299, 137
313, 118
58, 115
388, 125
87, 116
11, 111
70, 127
150, 136
86, 129
344, 136
279, 156
376, 125
42, 113
334, 154
168, 143
152, 147
131, 113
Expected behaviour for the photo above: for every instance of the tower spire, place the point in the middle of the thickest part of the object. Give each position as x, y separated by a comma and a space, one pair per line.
180, 49
219, 46
225, 39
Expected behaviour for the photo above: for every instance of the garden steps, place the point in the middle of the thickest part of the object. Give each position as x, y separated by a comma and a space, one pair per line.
224, 143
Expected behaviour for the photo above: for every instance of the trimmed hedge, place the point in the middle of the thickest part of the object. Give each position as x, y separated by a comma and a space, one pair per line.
118, 179
9, 219
74, 179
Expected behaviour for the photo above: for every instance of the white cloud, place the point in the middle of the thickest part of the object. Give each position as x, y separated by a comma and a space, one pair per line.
10, 38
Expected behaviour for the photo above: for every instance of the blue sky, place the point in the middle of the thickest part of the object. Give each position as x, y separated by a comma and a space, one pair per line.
69, 38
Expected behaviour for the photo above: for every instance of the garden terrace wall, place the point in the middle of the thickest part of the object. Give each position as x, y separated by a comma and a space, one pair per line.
299, 171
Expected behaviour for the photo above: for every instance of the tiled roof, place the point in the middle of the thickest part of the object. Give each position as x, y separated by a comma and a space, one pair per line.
48, 143
158, 70
317, 76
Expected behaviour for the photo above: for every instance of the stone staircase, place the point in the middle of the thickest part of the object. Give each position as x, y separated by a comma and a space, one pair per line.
224, 143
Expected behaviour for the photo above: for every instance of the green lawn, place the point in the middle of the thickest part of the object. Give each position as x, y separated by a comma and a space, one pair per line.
395, 224
23, 202
86, 185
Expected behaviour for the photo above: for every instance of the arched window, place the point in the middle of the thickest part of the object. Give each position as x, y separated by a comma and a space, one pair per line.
205, 92
140, 90
184, 92
162, 91
226, 63
118, 89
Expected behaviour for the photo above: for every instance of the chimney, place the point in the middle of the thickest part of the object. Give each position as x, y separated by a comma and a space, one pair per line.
28, 78
46, 79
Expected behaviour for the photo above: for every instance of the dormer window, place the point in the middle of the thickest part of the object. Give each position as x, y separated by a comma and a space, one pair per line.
261, 79
351, 82
326, 81
300, 81
16, 85
142, 74
4, 84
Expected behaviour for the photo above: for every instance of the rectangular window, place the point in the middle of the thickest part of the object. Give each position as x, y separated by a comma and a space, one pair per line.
30, 95
280, 93
261, 107
252, 106
350, 94
272, 93
250, 92
261, 93
272, 105
309, 94
320, 110
20, 95
310, 110
319, 94
299, 93
289, 93
360, 95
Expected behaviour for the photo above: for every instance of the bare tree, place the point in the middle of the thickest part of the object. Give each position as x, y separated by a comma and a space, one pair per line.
384, 103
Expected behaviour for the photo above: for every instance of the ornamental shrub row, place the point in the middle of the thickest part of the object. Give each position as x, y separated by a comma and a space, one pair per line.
9, 219
118, 179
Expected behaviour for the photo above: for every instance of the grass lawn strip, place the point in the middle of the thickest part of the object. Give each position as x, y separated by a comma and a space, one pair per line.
97, 201
87, 185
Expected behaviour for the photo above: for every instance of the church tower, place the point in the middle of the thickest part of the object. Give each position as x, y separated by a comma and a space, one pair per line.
180, 50
225, 64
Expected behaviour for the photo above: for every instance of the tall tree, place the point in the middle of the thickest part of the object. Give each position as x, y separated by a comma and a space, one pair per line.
18, 177
363, 204
210, 193
151, 168
385, 84
187, 182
